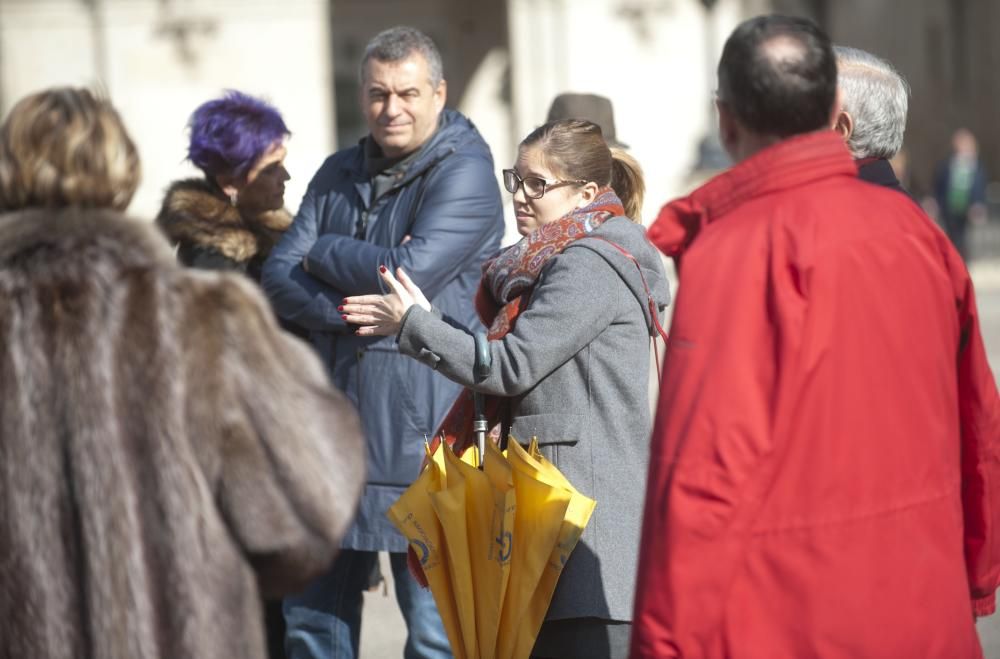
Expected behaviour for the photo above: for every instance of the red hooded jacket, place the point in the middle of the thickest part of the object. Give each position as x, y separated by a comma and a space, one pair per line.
825, 471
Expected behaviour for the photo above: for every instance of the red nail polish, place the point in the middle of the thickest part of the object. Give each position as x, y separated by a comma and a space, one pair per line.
340, 308
381, 268
344, 317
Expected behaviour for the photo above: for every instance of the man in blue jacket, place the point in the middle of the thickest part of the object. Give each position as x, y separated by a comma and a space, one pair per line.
419, 193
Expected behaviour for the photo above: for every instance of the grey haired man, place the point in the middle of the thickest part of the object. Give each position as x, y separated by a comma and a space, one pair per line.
872, 117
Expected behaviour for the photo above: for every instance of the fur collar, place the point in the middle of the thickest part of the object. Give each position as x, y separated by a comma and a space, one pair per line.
196, 212
68, 232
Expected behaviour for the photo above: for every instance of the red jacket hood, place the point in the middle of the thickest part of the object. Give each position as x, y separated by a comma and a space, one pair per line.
788, 164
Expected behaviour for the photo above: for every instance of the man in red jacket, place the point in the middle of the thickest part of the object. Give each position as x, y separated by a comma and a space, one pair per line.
825, 470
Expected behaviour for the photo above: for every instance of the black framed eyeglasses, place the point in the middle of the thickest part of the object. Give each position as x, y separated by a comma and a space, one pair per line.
534, 186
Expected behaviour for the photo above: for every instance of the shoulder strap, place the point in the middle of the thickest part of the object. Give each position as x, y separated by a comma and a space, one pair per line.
650, 303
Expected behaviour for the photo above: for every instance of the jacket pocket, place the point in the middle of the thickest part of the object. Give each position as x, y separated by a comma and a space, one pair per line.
552, 429
562, 439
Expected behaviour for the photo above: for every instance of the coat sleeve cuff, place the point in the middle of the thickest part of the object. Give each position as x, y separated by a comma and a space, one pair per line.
984, 606
402, 322
409, 325
407, 338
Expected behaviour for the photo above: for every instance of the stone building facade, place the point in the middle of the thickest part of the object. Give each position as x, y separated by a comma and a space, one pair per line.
504, 62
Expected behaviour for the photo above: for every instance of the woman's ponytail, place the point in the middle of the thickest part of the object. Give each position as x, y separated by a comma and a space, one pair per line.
627, 181
575, 149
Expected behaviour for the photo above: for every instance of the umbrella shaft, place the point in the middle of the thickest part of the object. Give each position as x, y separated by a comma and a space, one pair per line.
479, 428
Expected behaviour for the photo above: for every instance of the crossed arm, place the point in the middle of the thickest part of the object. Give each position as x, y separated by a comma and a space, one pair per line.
308, 274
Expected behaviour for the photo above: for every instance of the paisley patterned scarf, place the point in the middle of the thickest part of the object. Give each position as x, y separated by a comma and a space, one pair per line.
509, 278
504, 291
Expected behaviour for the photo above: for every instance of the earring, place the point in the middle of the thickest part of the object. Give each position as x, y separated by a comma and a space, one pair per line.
233, 198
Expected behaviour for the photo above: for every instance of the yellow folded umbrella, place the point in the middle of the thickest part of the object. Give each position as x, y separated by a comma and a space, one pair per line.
502, 541
578, 511
492, 543
450, 506
540, 511
489, 500
415, 517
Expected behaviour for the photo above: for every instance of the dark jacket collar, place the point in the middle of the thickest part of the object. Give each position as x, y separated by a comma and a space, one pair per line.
454, 130
788, 164
195, 212
879, 172
377, 163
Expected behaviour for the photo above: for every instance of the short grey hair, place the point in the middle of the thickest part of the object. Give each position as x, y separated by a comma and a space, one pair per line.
398, 43
876, 97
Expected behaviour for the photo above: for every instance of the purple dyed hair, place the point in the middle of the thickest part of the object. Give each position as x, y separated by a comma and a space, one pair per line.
230, 134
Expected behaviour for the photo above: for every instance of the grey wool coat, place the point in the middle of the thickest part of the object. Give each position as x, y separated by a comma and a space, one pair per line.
167, 454
577, 366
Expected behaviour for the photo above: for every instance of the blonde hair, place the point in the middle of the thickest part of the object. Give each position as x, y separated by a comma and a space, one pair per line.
575, 149
66, 147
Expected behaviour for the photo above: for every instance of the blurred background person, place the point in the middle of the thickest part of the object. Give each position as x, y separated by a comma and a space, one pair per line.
570, 322
872, 118
231, 217
960, 190
590, 107
167, 454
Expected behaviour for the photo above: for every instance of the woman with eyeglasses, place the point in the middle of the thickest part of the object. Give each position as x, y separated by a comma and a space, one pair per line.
570, 310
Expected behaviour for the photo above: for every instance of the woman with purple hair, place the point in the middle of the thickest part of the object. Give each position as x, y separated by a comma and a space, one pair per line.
230, 219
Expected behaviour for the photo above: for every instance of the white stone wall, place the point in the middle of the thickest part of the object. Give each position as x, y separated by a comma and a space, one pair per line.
276, 50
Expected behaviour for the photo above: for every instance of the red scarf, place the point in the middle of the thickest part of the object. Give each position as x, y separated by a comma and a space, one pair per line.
504, 291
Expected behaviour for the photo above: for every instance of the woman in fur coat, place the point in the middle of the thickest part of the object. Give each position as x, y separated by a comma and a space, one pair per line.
230, 218
167, 454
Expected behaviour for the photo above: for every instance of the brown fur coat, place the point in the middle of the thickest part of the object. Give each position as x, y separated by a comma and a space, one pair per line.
195, 214
166, 452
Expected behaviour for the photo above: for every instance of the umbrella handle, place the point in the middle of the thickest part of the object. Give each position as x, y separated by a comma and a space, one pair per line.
481, 370
484, 358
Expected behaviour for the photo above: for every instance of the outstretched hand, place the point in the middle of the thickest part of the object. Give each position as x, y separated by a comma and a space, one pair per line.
381, 315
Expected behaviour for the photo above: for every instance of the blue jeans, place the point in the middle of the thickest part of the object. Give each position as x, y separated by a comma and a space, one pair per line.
324, 620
